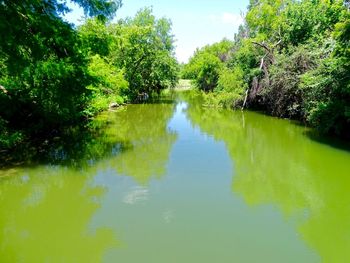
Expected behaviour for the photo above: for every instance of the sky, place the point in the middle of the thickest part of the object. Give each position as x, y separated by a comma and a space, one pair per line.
196, 23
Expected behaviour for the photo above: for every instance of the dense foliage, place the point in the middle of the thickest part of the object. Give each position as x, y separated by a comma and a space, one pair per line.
211, 71
141, 47
290, 58
53, 75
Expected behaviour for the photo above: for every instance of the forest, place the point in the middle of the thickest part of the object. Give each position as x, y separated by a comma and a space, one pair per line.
53, 74
289, 59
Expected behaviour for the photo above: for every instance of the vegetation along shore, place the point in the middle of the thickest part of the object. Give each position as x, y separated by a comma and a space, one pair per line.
290, 59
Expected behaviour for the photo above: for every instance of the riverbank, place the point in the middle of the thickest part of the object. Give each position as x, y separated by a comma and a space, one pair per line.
284, 66
244, 101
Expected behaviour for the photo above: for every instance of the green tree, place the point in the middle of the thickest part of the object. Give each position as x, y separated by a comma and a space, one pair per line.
144, 48
206, 64
327, 88
292, 57
44, 71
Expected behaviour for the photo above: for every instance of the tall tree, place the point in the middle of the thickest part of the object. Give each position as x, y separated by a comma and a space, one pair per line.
43, 70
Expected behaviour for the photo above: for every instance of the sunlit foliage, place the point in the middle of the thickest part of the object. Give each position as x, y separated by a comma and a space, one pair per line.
53, 75
292, 58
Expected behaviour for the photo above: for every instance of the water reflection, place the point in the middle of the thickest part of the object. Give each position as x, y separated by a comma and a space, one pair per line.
106, 201
136, 195
49, 205
77, 147
45, 216
147, 140
275, 163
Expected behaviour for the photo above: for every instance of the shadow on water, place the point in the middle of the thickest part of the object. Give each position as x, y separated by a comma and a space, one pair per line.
314, 135
134, 141
328, 140
48, 199
108, 135
79, 148
49, 205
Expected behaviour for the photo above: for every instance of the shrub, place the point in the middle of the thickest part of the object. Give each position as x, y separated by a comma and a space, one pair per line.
231, 81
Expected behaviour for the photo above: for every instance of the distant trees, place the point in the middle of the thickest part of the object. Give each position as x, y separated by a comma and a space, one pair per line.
141, 49
211, 72
145, 49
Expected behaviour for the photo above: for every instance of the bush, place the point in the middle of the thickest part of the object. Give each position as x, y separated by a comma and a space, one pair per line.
327, 88
281, 95
208, 74
227, 100
8, 138
231, 81
327, 97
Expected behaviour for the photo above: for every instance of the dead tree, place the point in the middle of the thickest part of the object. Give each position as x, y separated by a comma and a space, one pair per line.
267, 60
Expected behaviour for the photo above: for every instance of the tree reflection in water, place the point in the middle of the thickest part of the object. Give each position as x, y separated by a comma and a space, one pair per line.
47, 205
276, 163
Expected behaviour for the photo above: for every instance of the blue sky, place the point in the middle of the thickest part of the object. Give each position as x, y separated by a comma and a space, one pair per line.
195, 22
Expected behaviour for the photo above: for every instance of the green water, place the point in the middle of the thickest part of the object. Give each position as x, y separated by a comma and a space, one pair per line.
178, 183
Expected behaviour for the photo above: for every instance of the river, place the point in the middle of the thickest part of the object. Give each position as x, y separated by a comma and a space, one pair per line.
175, 182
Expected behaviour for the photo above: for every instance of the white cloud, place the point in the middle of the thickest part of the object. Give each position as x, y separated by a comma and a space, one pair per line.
227, 19
137, 194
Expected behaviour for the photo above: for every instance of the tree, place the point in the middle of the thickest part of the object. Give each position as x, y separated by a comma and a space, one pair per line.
44, 72
144, 48
293, 59
327, 88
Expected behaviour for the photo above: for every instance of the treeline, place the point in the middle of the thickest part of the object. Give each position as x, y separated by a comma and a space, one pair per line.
290, 59
53, 74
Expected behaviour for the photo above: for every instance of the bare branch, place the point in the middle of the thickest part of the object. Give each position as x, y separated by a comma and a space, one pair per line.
279, 42
263, 45
2, 88
262, 62
245, 99
5, 91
